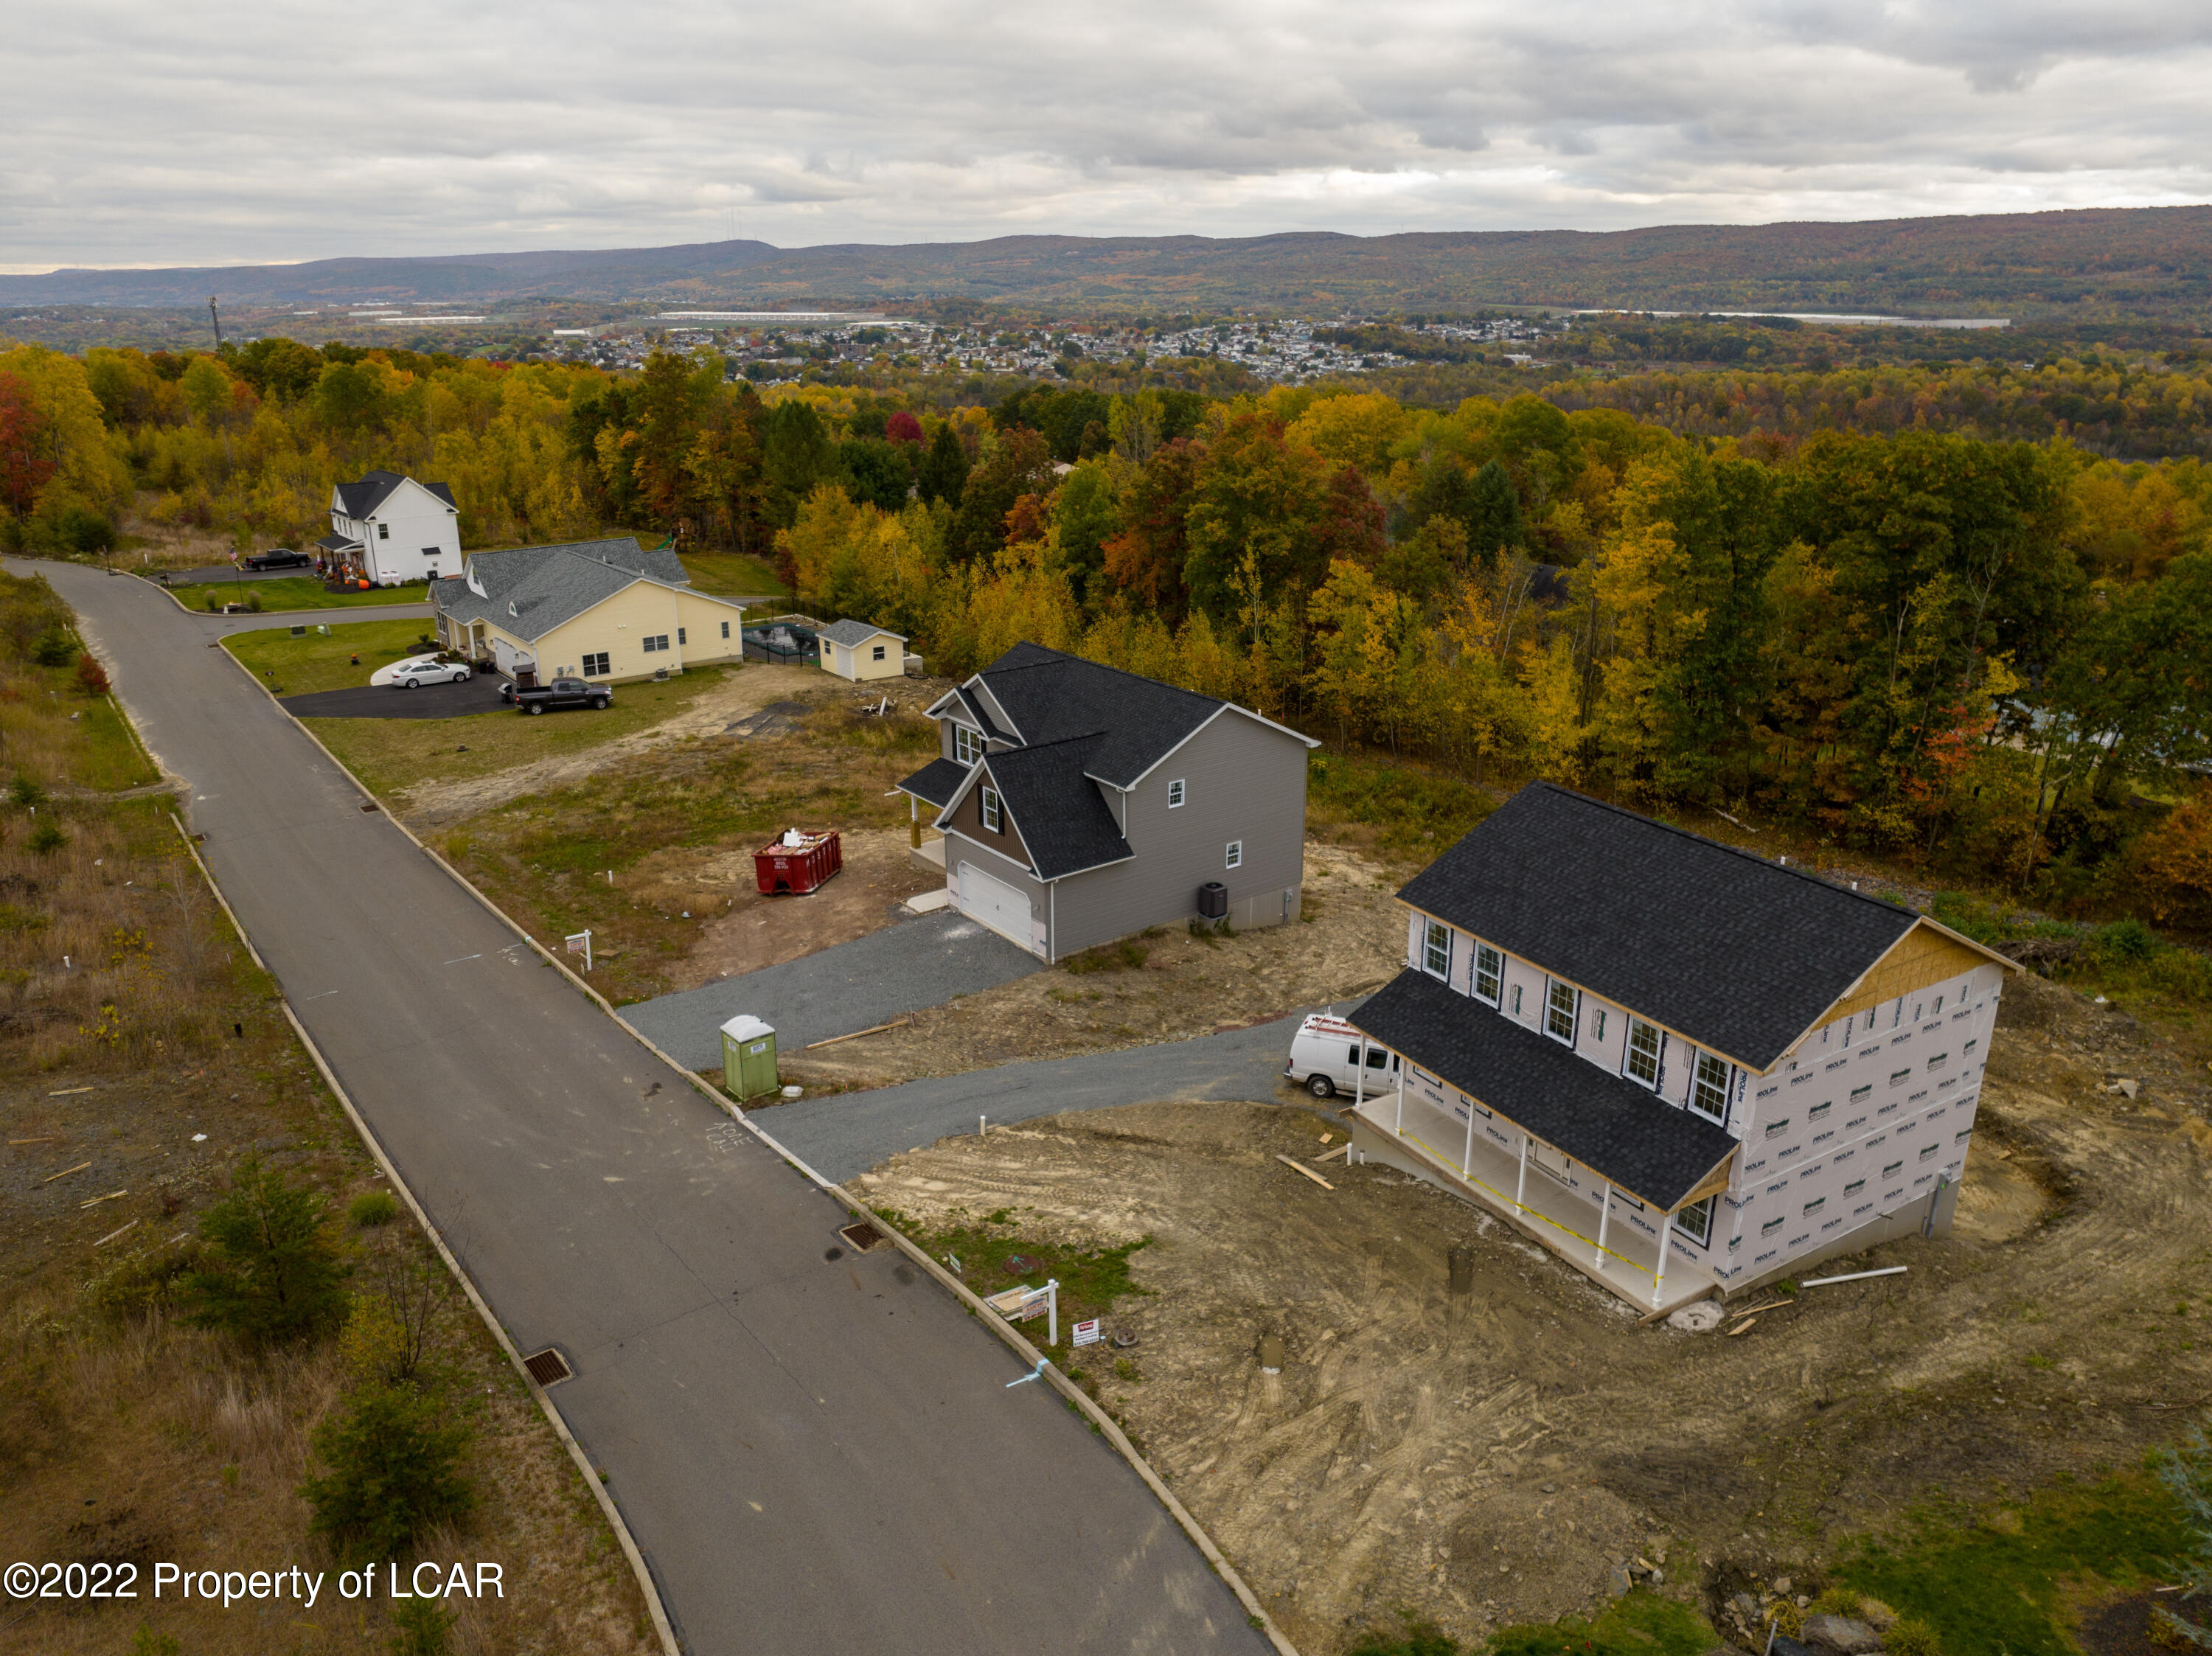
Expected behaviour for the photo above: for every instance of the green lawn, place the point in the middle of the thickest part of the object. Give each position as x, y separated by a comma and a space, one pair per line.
295, 666
734, 575
2000, 1583
391, 754
282, 593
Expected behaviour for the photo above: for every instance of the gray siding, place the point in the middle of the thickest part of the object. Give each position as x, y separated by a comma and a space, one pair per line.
1243, 782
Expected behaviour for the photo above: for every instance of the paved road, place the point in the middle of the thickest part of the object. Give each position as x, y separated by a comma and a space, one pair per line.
905, 966
848, 1133
815, 1456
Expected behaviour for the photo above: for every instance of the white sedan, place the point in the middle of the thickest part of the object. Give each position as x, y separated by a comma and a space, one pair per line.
422, 669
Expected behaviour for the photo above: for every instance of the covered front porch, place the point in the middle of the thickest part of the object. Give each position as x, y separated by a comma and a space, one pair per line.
1602, 1231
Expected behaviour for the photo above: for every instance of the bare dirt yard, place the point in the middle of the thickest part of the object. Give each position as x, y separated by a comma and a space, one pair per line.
1495, 1457
1167, 985
674, 813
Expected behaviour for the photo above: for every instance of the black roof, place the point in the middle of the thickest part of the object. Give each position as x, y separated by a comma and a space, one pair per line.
1655, 1150
1059, 812
1052, 696
363, 497
1733, 952
936, 782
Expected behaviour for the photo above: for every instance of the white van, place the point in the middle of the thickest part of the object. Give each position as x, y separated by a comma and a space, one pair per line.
1325, 1060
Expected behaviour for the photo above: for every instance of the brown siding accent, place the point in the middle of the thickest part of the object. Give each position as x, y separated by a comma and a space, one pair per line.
1921, 958
968, 818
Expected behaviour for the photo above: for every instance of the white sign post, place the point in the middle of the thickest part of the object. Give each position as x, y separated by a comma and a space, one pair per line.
1019, 1305
580, 944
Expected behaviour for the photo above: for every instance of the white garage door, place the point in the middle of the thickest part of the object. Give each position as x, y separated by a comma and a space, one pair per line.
995, 903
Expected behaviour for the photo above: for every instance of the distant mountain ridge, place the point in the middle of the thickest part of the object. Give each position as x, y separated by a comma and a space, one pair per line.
2102, 262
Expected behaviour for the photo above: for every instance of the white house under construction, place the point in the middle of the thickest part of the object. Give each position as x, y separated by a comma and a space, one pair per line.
1676, 1064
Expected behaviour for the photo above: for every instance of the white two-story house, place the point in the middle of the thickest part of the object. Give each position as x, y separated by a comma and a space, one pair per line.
1678, 1065
388, 529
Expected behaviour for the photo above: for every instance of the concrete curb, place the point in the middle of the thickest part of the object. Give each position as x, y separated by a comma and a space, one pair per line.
1007, 1331
659, 1611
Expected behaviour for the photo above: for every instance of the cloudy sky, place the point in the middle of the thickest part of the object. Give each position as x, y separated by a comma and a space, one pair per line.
138, 132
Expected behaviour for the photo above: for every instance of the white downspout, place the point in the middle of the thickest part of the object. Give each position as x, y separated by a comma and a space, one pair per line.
1659, 1276
1467, 1155
1604, 1216
1521, 1186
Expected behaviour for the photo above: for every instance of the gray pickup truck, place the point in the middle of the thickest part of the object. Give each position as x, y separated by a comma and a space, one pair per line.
559, 692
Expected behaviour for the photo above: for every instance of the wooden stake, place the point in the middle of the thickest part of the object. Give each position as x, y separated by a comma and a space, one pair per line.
1741, 1326
110, 1197
1301, 1167
65, 1173
895, 1023
1327, 1156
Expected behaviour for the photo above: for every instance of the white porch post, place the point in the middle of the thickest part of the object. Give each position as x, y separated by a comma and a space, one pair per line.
1359, 1077
1604, 1217
1521, 1185
1467, 1155
1659, 1276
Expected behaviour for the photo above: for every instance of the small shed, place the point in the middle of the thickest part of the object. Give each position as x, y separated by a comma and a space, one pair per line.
854, 650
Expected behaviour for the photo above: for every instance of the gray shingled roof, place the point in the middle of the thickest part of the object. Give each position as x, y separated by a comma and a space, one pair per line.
364, 496
1736, 953
336, 543
1058, 810
531, 590
936, 782
1647, 1146
851, 633
1052, 697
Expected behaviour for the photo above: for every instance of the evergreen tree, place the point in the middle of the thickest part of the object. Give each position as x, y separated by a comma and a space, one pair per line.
270, 1266
943, 472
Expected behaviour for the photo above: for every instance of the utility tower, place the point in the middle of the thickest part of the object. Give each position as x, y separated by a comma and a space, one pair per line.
214, 317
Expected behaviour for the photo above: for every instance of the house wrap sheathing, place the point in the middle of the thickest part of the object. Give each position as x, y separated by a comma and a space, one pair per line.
1680, 1067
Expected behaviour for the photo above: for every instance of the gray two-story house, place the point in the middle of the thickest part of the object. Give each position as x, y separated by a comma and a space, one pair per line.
1680, 1067
1080, 804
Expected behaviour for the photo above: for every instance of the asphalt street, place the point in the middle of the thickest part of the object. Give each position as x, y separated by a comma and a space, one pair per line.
906, 966
846, 1133
814, 1454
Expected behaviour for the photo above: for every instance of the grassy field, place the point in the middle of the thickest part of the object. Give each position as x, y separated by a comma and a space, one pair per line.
389, 754
284, 593
296, 666
734, 575
53, 732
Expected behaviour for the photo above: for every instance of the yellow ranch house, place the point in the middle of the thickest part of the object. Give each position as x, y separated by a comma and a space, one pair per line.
603, 609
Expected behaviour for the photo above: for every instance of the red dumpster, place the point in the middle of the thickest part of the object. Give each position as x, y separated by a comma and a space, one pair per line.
797, 862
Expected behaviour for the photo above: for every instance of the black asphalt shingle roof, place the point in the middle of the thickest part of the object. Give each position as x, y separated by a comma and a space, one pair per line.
1052, 697
1058, 810
1738, 954
1647, 1146
936, 782
364, 495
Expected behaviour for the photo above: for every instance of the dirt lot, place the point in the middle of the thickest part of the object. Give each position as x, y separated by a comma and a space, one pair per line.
1493, 1457
1352, 939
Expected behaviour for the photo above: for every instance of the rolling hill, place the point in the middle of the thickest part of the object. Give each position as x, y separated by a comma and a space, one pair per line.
2099, 263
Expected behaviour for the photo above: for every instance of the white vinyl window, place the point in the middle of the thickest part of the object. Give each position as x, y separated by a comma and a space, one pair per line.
990, 810
1236, 854
1642, 1064
726, 630
1559, 1005
1708, 1086
1489, 973
1435, 949
967, 744
1175, 794
1696, 1221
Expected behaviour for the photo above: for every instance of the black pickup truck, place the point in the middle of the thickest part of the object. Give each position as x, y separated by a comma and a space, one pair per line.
559, 692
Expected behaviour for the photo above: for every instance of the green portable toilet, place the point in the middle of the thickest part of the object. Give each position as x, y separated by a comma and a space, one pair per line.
748, 1058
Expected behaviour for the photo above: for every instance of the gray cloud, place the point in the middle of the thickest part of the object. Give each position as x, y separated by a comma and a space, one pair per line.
236, 132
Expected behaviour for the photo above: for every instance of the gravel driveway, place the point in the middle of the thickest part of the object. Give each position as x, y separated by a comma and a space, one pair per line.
833, 991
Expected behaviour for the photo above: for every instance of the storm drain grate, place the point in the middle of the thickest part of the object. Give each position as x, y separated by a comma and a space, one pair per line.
863, 1236
548, 1367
